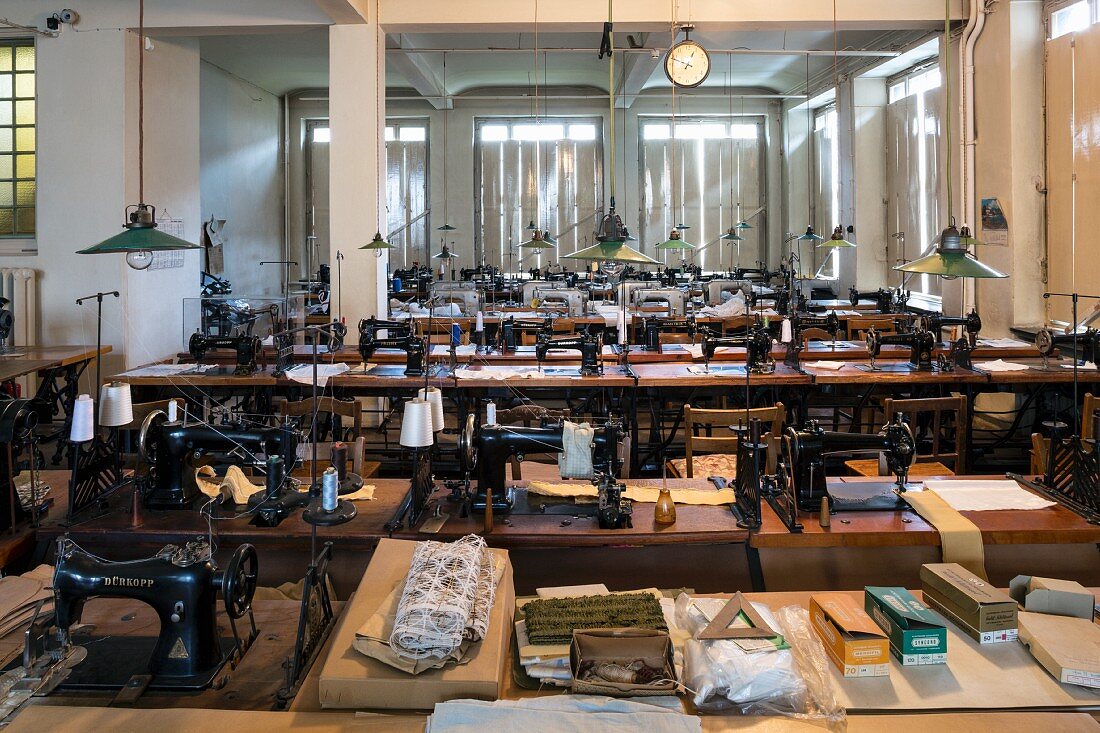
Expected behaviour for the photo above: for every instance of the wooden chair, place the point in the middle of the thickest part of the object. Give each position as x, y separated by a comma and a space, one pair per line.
1040, 446
558, 327
717, 455
815, 334
1040, 449
858, 326
1089, 408
935, 420
674, 338
440, 331
332, 409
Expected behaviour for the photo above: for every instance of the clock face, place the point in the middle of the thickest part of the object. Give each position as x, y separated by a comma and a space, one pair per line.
687, 64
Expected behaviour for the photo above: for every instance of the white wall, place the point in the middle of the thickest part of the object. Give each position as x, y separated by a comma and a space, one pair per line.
241, 171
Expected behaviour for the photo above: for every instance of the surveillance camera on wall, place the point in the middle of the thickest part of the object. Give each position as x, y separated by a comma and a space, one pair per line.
67, 16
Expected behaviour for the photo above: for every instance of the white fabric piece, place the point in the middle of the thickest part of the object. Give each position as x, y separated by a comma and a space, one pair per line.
1086, 365
169, 370
833, 366
499, 373
575, 459
1005, 343
734, 306
722, 668
563, 714
696, 350
1000, 365
977, 496
303, 373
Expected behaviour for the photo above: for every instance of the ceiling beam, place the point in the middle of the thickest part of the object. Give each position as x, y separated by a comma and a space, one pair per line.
637, 68
344, 12
644, 16
421, 71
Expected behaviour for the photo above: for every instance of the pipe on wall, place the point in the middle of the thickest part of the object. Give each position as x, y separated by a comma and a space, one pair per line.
974, 25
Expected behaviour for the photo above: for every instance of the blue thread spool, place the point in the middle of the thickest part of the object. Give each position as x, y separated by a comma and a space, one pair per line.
330, 489
397, 285
456, 334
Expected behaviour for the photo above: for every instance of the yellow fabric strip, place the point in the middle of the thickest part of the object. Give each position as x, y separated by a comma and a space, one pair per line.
641, 494
960, 539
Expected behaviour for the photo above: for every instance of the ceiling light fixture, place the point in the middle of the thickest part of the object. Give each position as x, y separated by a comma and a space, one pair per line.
141, 237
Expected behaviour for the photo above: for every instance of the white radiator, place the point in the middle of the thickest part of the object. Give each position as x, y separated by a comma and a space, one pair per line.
20, 285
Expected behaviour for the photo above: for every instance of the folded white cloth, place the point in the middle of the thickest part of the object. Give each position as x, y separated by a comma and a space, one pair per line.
830, 365
1086, 365
734, 306
1000, 365
563, 714
303, 373
498, 373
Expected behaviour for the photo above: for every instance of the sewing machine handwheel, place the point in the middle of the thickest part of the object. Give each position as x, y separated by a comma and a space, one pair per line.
1044, 341
147, 436
467, 445
239, 581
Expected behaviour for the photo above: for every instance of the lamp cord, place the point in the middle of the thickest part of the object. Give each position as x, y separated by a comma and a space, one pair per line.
947, 102
141, 101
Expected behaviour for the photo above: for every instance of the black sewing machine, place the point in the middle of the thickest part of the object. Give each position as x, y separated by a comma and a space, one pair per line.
173, 451
799, 323
182, 585
7, 323
886, 301
18, 420
497, 444
1087, 342
413, 347
591, 348
510, 327
247, 348
757, 343
654, 326
971, 324
803, 469
921, 344
370, 328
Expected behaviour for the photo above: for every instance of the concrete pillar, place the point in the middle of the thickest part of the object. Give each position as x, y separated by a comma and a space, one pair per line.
357, 114
867, 133
1010, 161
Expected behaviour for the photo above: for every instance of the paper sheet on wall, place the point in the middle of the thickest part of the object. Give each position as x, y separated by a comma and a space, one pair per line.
977, 496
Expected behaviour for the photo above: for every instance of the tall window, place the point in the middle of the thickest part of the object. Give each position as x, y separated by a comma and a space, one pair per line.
520, 164
406, 190
1073, 17
687, 179
915, 206
827, 191
17, 139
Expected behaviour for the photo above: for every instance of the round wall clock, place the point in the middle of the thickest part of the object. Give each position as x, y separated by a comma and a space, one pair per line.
687, 64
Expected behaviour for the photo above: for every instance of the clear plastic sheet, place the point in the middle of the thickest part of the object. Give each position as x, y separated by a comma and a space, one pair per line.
722, 677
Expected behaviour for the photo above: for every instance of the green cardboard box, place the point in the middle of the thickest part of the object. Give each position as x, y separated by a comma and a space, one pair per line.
917, 635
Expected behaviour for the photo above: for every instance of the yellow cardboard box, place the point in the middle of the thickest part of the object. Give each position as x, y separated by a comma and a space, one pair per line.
854, 642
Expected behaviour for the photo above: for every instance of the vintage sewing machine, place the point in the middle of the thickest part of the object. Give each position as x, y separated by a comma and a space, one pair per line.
181, 584
715, 288
247, 348
370, 328
751, 273
674, 299
971, 324
498, 444
781, 300
572, 301
886, 301
18, 420
803, 469
7, 324
511, 326
921, 344
590, 347
654, 326
758, 348
800, 322
413, 346
173, 451
1087, 342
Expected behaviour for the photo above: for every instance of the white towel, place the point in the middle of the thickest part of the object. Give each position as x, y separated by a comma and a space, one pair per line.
303, 373
1000, 365
830, 365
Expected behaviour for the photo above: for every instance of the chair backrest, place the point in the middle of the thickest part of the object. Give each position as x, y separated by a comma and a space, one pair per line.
858, 326
815, 334
701, 424
558, 327
328, 406
939, 424
674, 338
1040, 449
440, 330
1088, 415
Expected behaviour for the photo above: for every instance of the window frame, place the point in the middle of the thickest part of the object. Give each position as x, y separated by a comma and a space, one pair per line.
22, 243
829, 270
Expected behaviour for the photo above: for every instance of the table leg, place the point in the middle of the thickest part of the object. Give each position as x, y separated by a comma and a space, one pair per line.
756, 571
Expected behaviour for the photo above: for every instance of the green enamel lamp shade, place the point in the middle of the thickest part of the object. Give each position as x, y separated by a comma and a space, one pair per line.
537, 241
446, 254
548, 238
682, 227
674, 242
744, 225
837, 241
531, 226
810, 236
611, 252
139, 235
377, 243
446, 228
951, 259
733, 236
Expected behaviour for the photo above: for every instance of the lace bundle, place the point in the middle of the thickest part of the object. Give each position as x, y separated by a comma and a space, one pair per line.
447, 598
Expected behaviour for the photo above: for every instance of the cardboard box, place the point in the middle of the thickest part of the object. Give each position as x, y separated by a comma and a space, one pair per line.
622, 646
1067, 647
350, 679
985, 613
1049, 595
852, 639
917, 636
